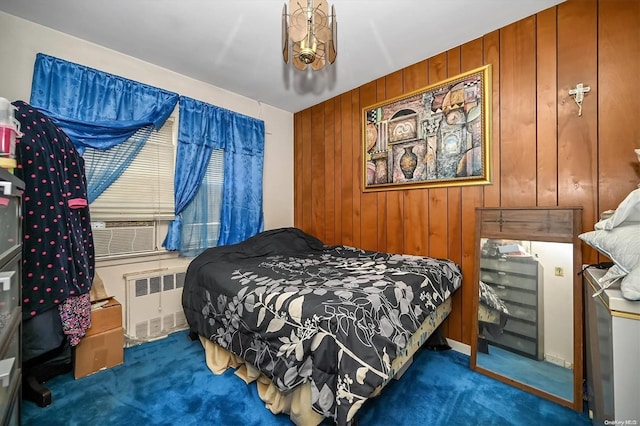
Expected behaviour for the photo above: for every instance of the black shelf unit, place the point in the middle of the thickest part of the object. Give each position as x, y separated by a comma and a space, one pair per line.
11, 189
518, 282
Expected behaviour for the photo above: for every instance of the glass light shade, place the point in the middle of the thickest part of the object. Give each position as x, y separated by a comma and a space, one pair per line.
309, 33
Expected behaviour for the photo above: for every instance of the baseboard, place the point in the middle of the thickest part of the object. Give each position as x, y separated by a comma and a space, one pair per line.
463, 348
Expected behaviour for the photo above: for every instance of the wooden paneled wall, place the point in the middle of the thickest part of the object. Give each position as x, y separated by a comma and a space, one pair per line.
543, 153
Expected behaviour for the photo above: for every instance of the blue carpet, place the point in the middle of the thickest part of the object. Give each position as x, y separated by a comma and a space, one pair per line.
166, 382
542, 375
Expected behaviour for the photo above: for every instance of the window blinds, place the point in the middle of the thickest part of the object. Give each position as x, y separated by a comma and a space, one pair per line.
145, 189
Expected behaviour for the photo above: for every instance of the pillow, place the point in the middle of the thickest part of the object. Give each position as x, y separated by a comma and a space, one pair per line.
627, 211
630, 285
621, 244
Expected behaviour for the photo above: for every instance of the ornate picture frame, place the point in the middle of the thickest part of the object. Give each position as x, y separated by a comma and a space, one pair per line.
436, 136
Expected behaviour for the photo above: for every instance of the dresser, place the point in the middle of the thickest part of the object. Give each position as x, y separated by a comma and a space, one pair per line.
11, 189
518, 282
612, 328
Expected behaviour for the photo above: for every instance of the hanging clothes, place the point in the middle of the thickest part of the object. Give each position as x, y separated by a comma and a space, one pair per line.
58, 261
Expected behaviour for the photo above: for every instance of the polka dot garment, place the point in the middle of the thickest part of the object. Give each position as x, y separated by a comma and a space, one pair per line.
58, 253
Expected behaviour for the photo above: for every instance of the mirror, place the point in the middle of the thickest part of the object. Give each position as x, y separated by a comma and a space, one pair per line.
528, 304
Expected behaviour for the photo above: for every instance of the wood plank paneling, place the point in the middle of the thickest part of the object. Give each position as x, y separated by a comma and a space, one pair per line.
356, 171
546, 86
618, 104
337, 167
306, 169
317, 148
543, 152
329, 176
577, 144
492, 56
518, 113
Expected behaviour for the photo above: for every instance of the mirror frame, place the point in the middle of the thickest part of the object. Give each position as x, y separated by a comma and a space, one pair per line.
549, 224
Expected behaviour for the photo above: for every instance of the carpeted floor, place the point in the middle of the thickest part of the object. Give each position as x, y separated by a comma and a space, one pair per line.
166, 382
543, 375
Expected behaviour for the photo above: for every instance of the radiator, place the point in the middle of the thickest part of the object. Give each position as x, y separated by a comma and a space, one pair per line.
154, 305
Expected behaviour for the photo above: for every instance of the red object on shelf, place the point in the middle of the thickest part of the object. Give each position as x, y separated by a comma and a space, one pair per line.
8, 136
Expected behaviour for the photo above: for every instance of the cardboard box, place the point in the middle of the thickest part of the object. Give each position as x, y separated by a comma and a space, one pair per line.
98, 352
105, 315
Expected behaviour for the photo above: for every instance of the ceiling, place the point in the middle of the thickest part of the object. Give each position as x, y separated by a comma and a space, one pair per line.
236, 44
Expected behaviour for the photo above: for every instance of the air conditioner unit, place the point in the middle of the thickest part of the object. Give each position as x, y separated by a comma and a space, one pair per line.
154, 305
115, 238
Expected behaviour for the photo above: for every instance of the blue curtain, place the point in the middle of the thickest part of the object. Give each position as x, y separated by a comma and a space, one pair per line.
100, 111
201, 217
204, 127
242, 215
94, 108
103, 167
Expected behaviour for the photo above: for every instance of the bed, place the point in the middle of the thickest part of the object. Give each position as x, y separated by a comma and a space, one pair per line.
320, 328
492, 315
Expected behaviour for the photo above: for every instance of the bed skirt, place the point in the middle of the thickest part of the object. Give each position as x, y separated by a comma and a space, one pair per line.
297, 403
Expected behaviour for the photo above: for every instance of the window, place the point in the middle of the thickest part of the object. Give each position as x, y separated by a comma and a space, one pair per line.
144, 191
125, 216
201, 218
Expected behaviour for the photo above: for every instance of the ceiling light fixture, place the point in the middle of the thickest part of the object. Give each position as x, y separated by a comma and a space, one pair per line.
310, 33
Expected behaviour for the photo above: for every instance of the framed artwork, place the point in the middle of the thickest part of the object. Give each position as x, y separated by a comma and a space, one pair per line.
437, 136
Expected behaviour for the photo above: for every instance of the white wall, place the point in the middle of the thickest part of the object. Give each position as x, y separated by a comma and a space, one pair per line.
557, 299
20, 40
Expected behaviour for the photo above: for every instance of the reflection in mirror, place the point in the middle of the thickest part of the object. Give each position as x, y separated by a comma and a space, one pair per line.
528, 313
522, 283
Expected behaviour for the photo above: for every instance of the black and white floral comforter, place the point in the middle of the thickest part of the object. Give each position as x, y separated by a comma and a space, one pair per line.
489, 298
302, 311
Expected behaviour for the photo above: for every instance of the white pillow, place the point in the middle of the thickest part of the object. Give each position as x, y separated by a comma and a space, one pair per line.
630, 285
627, 211
621, 244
